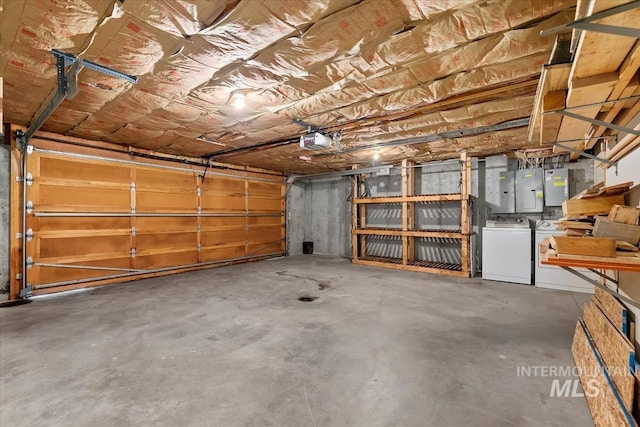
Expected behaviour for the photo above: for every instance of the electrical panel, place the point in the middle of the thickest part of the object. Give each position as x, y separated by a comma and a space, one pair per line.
529, 190
556, 186
507, 192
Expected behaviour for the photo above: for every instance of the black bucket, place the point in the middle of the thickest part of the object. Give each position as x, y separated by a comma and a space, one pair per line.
307, 248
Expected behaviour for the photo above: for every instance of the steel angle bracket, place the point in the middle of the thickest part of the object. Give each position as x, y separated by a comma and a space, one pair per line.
67, 87
597, 284
585, 154
598, 122
587, 23
26, 292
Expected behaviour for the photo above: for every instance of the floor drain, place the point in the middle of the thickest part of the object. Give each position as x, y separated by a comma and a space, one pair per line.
307, 299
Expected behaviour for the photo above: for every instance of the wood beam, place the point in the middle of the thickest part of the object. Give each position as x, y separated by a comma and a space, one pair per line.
585, 91
551, 122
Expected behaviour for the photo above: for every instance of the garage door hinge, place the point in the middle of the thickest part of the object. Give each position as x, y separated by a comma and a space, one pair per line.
29, 207
29, 262
199, 228
133, 253
133, 231
19, 276
133, 210
133, 186
199, 192
29, 178
199, 209
29, 149
199, 246
27, 291
29, 235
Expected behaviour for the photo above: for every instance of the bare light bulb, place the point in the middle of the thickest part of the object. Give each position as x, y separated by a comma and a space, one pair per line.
238, 101
376, 155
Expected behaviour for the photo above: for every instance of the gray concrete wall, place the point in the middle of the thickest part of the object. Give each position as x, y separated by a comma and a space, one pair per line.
296, 222
4, 220
320, 211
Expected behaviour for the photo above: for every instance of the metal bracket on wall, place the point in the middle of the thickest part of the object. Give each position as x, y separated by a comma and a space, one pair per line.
604, 276
26, 292
590, 156
598, 122
67, 87
587, 23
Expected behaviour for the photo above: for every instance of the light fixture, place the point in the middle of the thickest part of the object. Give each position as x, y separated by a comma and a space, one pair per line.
237, 100
376, 155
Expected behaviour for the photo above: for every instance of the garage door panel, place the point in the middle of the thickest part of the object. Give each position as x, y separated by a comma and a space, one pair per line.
222, 253
147, 178
166, 224
256, 249
166, 240
163, 260
212, 238
166, 202
257, 205
220, 186
51, 168
57, 224
265, 235
264, 189
59, 198
222, 223
53, 274
211, 203
264, 221
64, 247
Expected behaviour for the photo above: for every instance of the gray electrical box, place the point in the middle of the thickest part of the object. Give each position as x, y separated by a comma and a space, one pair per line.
556, 186
507, 192
529, 190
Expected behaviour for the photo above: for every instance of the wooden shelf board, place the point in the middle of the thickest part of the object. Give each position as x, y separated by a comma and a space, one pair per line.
446, 234
419, 266
618, 263
453, 197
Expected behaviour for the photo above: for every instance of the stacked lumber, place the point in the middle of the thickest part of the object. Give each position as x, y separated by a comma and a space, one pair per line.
599, 191
599, 213
605, 360
600, 83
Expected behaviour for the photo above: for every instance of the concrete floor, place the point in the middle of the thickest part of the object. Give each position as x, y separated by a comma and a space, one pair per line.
234, 347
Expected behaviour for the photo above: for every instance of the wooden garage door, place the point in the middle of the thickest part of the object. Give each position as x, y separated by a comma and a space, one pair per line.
94, 220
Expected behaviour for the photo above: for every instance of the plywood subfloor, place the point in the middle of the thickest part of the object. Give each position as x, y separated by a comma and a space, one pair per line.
234, 347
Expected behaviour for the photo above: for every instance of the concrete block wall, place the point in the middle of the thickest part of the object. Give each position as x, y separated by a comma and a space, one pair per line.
320, 211
4, 220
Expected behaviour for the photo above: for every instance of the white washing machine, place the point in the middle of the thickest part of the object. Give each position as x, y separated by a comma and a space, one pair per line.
553, 277
506, 250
